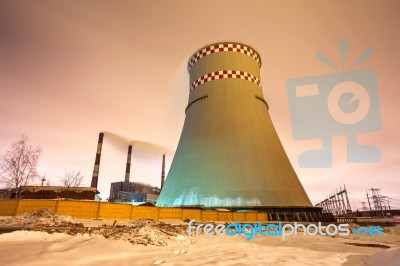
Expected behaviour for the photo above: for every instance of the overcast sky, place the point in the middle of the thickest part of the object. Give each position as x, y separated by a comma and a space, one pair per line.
70, 69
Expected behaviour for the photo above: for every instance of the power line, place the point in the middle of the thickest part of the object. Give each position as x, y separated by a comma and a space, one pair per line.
337, 202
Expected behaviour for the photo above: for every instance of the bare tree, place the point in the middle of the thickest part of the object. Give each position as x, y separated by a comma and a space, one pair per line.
71, 181
18, 166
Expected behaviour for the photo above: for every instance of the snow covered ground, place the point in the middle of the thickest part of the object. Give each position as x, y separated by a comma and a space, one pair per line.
152, 243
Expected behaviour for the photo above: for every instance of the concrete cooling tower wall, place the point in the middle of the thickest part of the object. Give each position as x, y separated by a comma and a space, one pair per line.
229, 154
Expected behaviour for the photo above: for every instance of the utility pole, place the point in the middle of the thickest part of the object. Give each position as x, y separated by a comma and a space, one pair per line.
347, 199
366, 191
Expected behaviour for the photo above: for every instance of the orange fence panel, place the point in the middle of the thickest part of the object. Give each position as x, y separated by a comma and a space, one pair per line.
262, 217
170, 213
239, 216
115, 211
79, 209
33, 205
251, 217
209, 215
225, 216
144, 212
8, 207
191, 214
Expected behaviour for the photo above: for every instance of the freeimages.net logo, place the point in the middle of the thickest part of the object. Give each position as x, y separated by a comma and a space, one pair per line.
344, 103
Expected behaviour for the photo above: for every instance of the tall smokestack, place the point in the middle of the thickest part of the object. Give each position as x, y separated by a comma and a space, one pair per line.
163, 171
128, 165
95, 177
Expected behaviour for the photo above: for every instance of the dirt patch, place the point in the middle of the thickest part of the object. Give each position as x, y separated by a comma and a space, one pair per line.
142, 232
38, 218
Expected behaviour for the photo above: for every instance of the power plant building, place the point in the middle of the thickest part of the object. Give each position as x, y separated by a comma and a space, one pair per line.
133, 192
229, 154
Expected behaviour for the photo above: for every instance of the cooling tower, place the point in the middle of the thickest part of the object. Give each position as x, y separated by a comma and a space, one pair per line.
229, 154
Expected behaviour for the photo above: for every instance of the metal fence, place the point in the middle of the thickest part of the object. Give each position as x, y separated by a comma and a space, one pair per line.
105, 210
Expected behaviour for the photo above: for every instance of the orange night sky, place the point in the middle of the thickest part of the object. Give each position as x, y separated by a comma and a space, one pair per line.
70, 69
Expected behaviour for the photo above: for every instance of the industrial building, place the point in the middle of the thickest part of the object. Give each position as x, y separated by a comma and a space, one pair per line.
5, 193
125, 191
50, 192
229, 154
133, 192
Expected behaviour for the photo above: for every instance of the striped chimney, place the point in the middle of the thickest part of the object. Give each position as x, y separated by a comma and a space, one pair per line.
128, 165
95, 177
163, 171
